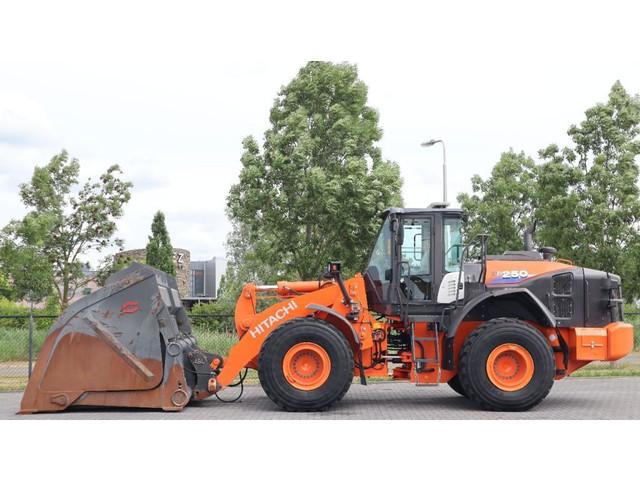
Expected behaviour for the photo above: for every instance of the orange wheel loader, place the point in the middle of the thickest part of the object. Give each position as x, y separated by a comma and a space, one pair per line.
499, 329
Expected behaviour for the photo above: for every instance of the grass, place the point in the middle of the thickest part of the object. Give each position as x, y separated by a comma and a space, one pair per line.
608, 369
12, 384
635, 321
14, 343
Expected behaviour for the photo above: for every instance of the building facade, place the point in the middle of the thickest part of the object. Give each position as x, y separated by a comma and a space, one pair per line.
181, 259
198, 280
205, 278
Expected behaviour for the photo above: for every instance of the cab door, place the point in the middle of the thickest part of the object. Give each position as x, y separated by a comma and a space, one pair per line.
416, 259
422, 260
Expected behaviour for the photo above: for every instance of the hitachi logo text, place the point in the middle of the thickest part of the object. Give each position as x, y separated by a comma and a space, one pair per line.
268, 322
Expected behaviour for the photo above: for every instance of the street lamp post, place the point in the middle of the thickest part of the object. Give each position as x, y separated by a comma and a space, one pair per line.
430, 143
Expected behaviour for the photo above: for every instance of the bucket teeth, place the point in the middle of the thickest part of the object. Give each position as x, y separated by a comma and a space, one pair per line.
128, 344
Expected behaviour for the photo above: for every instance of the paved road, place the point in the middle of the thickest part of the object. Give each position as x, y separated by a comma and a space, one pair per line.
575, 398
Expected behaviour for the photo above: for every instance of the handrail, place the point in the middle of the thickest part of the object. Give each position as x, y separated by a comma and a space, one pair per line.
482, 239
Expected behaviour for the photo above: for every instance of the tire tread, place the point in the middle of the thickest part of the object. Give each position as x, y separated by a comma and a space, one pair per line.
266, 348
465, 359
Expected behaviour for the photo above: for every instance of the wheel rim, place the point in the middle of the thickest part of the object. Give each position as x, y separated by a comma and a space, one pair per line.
306, 366
510, 367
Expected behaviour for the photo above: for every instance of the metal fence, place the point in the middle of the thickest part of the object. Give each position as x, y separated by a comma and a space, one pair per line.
22, 336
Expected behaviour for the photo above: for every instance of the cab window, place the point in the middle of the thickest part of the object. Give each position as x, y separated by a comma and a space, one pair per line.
416, 247
452, 244
416, 259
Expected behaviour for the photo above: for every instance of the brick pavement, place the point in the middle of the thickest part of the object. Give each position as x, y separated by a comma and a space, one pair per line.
574, 398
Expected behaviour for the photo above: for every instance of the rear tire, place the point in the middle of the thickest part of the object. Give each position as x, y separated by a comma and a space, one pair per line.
456, 386
305, 365
506, 365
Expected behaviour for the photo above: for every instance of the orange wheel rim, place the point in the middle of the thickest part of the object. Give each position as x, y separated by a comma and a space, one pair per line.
306, 366
510, 367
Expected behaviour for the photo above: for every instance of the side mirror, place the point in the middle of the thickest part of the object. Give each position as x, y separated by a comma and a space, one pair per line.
388, 274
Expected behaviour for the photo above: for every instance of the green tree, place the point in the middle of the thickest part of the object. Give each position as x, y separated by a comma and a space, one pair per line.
502, 205
558, 200
244, 264
29, 270
65, 220
583, 198
159, 252
110, 265
6, 291
589, 204
316, 190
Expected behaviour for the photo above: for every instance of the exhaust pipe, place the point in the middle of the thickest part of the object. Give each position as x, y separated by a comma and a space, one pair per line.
528, 237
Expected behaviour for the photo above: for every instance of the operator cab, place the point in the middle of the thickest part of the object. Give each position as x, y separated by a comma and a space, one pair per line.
415, 249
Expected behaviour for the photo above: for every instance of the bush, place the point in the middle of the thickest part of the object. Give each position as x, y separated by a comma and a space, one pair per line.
213, 316
6, 289
7, 307
214, 341
13, 310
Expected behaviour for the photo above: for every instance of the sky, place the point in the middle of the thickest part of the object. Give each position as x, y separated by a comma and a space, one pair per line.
168, 90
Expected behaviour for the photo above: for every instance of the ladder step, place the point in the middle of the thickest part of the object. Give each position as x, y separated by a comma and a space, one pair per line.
424, 318
432, 364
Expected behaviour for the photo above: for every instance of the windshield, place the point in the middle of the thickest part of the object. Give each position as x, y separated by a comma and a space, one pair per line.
452, 244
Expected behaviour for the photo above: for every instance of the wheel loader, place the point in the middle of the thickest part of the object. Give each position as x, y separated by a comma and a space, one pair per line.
499, 329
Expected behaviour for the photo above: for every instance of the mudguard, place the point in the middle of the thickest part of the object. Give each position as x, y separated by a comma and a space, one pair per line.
330, 311
543, 315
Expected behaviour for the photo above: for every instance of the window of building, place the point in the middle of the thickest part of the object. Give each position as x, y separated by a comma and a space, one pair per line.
197, 283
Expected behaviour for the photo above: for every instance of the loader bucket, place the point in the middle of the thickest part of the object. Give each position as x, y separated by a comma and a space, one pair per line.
128, 344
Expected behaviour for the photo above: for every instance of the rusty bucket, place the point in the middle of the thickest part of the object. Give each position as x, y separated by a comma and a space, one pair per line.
128, 344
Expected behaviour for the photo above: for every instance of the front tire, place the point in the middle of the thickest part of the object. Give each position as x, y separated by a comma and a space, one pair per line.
506, 365
305, 365
456, 386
